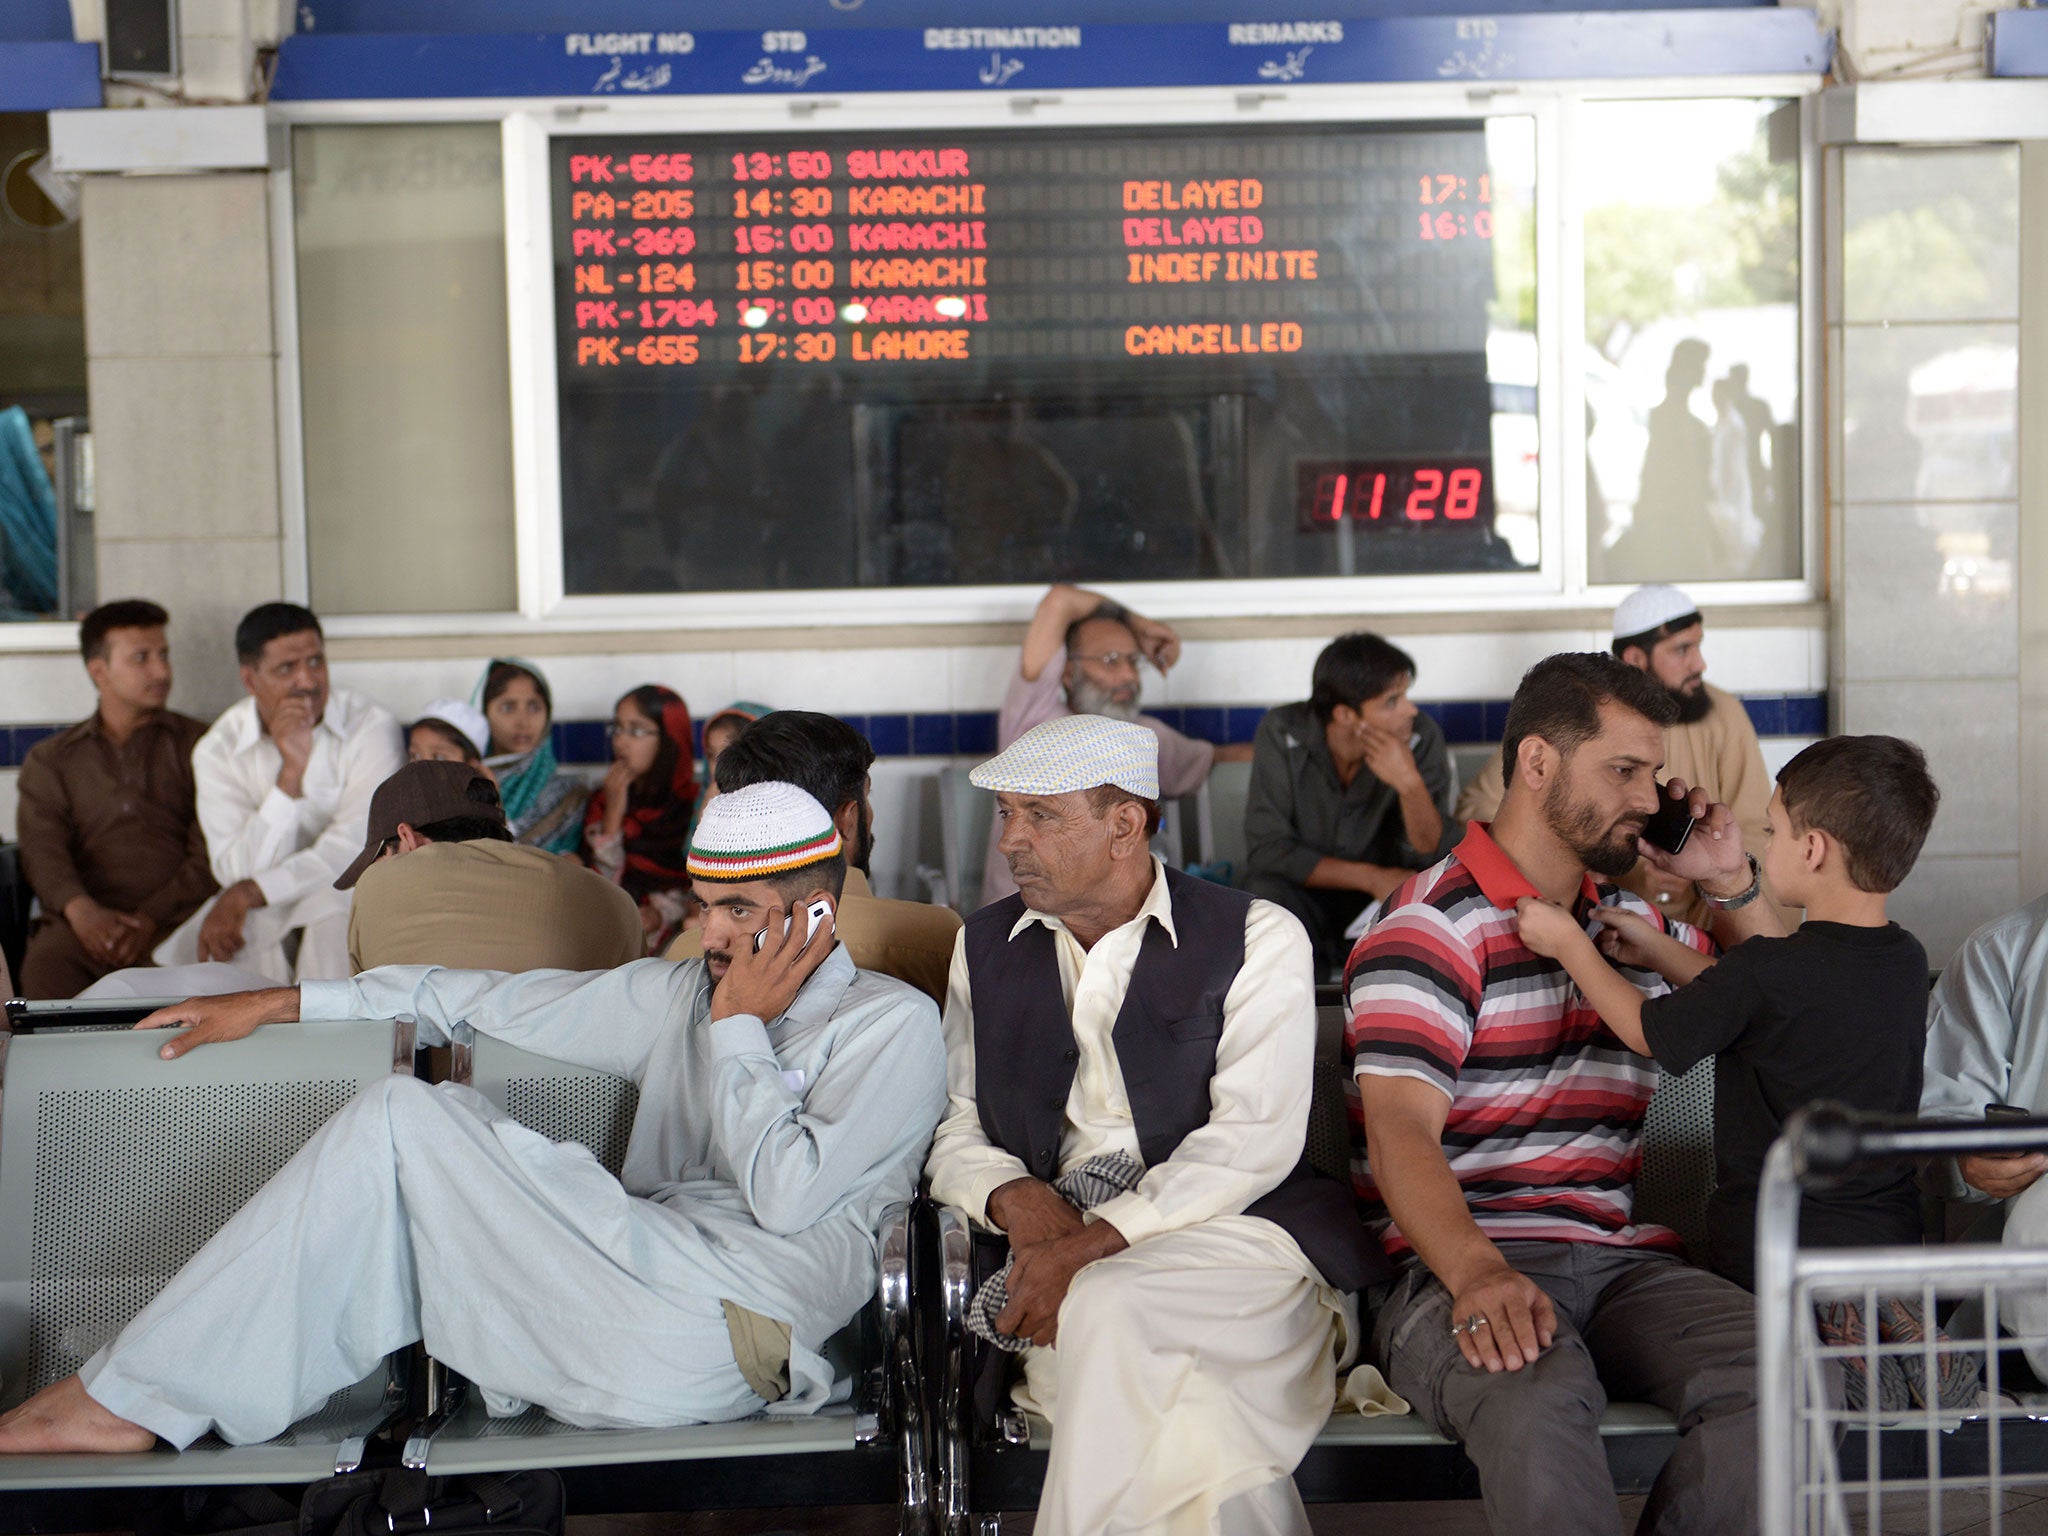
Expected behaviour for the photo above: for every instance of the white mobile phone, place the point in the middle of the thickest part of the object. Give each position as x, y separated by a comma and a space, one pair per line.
819, 911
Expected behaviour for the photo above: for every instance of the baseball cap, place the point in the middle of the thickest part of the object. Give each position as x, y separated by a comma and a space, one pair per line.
420, 794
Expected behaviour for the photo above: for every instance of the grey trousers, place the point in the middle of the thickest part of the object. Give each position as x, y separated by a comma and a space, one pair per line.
1640, 1327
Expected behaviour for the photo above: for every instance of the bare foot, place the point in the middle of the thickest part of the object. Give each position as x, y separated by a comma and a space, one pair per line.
65, 1417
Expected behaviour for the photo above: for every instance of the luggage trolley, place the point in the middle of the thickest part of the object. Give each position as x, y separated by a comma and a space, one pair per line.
1826, 1469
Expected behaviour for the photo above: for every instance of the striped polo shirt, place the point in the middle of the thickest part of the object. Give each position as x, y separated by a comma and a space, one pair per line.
1545, 1126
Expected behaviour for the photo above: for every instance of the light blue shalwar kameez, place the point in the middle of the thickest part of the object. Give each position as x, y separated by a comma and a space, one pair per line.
760, 1162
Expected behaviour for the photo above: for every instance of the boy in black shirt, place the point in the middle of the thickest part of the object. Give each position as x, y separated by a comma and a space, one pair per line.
1837, 1011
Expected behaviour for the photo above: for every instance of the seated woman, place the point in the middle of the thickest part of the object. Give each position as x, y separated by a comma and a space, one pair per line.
543, 801
449, 731
636, 829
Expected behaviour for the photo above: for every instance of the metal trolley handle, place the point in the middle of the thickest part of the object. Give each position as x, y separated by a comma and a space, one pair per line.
1826, 1139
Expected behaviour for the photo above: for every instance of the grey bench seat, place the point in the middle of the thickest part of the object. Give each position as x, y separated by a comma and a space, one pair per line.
115, 1168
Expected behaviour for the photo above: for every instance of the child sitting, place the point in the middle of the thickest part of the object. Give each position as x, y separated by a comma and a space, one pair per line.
1837, 1011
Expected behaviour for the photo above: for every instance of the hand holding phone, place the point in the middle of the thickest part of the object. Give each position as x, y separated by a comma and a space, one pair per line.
1672, 824
819, 911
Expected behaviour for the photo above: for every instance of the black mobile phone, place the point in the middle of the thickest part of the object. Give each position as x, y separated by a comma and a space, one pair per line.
1999, 1112
1672, 824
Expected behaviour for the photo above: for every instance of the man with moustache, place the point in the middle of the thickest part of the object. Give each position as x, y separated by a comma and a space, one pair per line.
284, 780
786, 1100
110, 840
1129, 1056
1503, 1126
1083, 655
1711, 744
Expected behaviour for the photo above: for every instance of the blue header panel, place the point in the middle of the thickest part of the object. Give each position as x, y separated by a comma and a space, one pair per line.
741, 15
47, 76
2018, 44
682, 62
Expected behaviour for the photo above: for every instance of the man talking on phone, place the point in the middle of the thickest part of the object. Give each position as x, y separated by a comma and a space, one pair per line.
786, 1099
1710, 744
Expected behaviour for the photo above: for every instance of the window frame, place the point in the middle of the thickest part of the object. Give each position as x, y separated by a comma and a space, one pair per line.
1558, 584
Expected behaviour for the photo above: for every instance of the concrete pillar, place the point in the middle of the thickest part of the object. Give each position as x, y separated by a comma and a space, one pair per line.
1923, 295
181, 364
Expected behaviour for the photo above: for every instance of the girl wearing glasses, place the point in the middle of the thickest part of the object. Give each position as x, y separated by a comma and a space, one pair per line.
636, 829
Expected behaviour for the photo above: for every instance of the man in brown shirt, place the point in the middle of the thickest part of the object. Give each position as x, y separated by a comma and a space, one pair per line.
829, 760
110, 837
440, 882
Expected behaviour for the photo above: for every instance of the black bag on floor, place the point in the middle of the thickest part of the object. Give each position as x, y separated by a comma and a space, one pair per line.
395, 1501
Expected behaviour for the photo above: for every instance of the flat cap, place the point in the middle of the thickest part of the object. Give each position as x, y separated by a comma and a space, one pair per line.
1075, 752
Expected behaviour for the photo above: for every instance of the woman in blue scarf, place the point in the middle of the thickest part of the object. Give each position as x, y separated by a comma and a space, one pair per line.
543, 801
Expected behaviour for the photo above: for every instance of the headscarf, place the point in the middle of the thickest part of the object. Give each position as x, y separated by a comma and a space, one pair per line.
656, 830
521, 775
746, 711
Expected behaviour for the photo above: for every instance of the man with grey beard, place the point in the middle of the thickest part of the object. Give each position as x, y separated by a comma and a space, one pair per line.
1082, 656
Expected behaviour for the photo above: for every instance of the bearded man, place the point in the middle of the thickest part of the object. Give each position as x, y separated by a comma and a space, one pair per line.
1503, 1128
1711, 744
786, 1099
1083, 655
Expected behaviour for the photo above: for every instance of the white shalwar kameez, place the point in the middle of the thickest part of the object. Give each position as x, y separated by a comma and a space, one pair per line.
761, 1159
1193, 1369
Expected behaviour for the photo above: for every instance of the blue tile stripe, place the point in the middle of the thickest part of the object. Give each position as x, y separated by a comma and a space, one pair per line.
1465, 722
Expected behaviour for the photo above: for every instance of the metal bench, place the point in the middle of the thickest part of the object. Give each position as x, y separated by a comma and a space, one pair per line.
985, 1468
115, 1168
868, 1449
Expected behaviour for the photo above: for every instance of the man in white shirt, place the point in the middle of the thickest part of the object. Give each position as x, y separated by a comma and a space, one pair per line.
1147, 1027
284, 781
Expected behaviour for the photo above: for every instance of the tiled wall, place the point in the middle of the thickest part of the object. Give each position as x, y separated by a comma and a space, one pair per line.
1924, 336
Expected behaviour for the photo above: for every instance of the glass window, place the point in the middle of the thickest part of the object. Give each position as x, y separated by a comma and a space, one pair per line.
1692, 339
887, 360
46, 548
403, 367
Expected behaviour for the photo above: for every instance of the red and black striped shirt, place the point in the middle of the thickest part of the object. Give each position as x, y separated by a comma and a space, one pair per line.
1544, 1133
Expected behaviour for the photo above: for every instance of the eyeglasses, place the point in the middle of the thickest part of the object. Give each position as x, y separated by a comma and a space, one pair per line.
1115, 659
634, 732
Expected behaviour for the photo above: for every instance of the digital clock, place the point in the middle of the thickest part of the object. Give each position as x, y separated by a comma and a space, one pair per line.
1398, 493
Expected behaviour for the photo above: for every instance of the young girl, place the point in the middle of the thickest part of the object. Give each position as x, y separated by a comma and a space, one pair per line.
719, 731
637, 827
543, 802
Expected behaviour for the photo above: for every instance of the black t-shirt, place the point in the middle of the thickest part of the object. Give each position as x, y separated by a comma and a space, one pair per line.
1833, 1012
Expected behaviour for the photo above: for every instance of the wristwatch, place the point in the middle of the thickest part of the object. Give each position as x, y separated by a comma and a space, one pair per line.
1737, 903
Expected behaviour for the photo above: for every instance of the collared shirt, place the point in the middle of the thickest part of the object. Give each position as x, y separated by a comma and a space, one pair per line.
116, 823
255, 831
1545, 1129
1298, 811
1987, 1027
910, 940
1719, 753
1184, 762
490, 906
1259, 1096
775, 1144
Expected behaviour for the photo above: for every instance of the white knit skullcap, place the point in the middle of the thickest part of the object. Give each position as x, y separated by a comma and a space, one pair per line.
765, 829
465, 717
1075, 752
1649, 608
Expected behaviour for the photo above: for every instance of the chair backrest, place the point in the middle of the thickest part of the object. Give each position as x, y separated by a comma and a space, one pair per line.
561, 1101
1677, 1176
965, 814
1230, 785
117, 1166
1329, 1120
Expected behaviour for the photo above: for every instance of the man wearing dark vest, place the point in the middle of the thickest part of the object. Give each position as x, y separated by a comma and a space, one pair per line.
1150, 1039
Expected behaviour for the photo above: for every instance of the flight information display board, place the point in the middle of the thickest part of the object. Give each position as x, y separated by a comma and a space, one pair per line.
859, 303
875, 251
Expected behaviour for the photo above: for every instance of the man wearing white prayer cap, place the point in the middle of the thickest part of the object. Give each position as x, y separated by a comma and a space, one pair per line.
1658, 630
786, 1099
1151, 1039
